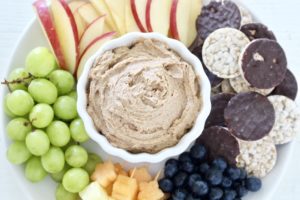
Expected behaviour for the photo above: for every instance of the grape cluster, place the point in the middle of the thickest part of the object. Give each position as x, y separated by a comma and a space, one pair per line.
193, 177
45, 129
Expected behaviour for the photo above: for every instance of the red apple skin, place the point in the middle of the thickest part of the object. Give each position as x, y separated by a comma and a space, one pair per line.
65, 5
136, 17
148, 18
173, 21
91, 43
44, 15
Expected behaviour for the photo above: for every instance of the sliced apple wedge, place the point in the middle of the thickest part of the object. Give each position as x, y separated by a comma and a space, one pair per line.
80, 23
92, 48
117, 10
91, 32
131, 25
74, 5
158, 16
44, 16
196, 7
67, 32
88, 13
138, 9
102, 9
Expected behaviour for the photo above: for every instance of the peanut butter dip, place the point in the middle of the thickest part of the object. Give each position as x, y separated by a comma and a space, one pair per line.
143, 97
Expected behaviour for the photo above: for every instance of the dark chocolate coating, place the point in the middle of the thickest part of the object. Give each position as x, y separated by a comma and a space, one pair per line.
257, 31
249, 116
218, 14
288, 87
214, 80
220, 143
264, 63
218, 104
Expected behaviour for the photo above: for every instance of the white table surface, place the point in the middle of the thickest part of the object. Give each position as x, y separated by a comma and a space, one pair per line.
282, 16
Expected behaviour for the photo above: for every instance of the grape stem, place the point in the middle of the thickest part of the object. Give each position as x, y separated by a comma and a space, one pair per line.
16, 81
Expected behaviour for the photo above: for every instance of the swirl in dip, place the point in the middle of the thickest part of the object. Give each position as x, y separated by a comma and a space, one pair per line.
143, 97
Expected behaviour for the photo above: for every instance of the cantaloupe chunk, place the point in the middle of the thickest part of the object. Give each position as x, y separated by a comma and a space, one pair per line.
104, 174
141, 174
125, 188
150, 191
120, 170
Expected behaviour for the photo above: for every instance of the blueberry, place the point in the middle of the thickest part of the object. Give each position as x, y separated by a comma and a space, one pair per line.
253, 184
179, 194
191, 197
172, 162
185, 157
200, 188
219, 163
180, 179
229, 195
233, 173
198, 152
193, 178
215, 193
243, 174
187, 166
203, 168
226, 182
171, 169
214, 177
166, 185
241, 191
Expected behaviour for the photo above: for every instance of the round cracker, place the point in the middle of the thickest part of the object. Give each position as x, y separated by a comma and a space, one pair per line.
239, 85
287, 119
218, 14
258, 158
246, 16
263, 63
288, 87
220, 143
221, 52
249, 116
257, 31
218, 104
226, 87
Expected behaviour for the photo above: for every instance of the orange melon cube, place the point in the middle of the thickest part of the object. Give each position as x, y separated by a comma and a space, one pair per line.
104, 174
125, 188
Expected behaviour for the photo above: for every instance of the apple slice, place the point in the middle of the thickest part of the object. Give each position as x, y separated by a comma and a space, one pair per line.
102, 9
67, 32
158, 16
92, 48
117, 10
131, 25
93, 30
138, 9
45, 19
196, 8
179, 18
80, 23
88, 13
74, 5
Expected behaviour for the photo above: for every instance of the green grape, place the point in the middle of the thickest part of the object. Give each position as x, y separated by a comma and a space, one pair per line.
40, 62
19, 102
59, 175
78, 132
65, 108
43, 91
34, 170
53, 161
41, 115
19, 79
73, 94
76, 156
37, 142
18, 128
59, 133
6, 110
93, 160
17, 153
63, 194
71, 142
63, 80
75, 180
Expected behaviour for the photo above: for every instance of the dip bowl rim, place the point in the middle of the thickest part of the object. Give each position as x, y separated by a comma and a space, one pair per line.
185, 142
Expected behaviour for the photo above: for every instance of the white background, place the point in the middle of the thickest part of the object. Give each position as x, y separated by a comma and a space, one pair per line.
282, 16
